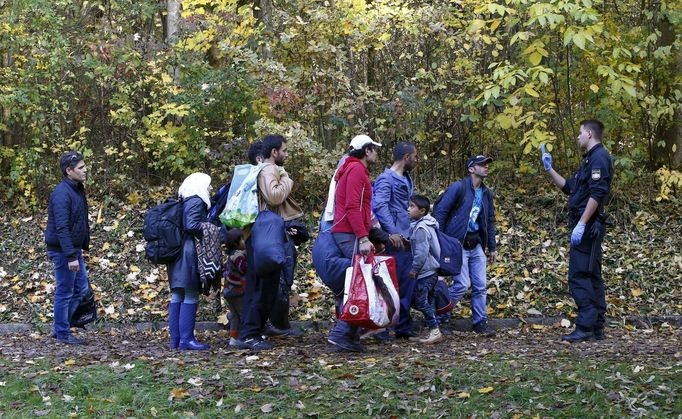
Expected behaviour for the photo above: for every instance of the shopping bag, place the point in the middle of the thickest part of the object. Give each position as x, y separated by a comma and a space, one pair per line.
371, 298
241, 208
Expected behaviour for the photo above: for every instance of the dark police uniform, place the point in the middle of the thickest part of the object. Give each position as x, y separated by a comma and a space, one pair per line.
592, 180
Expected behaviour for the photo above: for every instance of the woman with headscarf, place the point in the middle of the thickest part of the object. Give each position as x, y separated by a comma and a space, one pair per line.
183, 273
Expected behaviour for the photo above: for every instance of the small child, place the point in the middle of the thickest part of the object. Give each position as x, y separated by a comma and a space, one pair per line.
425, 251
234, 275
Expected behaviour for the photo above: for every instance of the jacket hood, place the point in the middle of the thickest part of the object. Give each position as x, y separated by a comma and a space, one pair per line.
350, 161
428, 221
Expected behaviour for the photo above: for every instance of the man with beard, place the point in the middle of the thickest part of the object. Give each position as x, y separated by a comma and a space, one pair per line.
274, 188
466, 212
390, 199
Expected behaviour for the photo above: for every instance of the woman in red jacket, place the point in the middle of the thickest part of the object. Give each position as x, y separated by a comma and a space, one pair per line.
352, 221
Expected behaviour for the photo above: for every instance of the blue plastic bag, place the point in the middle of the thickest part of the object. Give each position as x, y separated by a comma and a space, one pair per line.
267, 240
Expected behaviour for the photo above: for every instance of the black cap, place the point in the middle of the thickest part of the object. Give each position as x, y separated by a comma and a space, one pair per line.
480, 159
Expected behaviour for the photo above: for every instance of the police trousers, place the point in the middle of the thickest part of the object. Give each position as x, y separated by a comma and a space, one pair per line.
586, 284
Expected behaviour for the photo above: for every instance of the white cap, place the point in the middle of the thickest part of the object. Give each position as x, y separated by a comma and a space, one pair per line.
360, 141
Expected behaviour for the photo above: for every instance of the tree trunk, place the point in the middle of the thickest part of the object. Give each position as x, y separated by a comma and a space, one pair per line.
172, 22
671, 154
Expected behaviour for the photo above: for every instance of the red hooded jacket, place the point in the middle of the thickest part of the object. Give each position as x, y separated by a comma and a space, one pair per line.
353, 200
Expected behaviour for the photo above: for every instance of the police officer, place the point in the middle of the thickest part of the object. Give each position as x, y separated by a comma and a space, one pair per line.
587, 192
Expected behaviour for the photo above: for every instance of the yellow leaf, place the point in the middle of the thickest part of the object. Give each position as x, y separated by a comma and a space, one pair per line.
69, 362
178, 393
134, 268
222, 319
594, 88
538, 327
485, 390
464, 395
636, 292
105, 246
630, 327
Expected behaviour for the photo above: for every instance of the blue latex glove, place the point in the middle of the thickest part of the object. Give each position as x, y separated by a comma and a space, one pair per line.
546, 158
577, 234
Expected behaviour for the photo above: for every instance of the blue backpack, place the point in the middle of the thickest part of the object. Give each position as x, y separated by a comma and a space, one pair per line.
450, 258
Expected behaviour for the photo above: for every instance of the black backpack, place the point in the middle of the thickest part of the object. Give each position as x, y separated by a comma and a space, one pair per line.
163, 232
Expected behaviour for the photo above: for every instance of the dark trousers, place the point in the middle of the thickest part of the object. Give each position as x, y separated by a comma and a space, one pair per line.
586, 284
424, 299
406, 286
279, 316
259, 296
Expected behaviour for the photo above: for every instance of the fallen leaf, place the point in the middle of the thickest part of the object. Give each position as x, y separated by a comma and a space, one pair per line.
485, 390
565, 323
178, 393
636, 292
266, 408
464, 395
69, 362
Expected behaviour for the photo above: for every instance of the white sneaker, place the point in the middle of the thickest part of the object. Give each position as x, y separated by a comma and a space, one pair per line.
433, 337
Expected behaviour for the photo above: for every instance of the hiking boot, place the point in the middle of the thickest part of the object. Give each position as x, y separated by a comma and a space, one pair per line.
599, 333
254, 344
272, 331
434, 336
345, 344
483, 329
577, 336
405, 335
70, 340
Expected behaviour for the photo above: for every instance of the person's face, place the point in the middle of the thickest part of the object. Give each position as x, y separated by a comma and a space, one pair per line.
584, 137
480, 170
372, 155
281, 155
78, 173
411, 160
414, 211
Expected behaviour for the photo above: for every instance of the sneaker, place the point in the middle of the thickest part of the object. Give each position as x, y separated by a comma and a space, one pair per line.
345, 344
70, 340
233, 342
433, 337
577, 336
254, 344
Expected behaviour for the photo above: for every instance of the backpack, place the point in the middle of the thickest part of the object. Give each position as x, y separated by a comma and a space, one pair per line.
163, 232
218, 201
450, 257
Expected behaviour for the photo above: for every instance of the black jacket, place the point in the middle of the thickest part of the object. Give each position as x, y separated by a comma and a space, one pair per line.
67, 229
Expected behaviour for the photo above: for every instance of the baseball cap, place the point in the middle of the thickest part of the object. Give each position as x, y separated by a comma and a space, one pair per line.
480, 159
360, 141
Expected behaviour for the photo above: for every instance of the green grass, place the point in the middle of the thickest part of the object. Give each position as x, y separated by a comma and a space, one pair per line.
337, 385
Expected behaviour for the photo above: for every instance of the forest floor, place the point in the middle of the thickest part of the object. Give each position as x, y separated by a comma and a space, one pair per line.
520, 372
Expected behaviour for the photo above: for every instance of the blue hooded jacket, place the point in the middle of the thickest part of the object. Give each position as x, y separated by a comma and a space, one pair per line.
390, 198
452, 212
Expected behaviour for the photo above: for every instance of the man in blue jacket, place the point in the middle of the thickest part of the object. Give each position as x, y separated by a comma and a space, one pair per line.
66, 236
391, 194
466, 212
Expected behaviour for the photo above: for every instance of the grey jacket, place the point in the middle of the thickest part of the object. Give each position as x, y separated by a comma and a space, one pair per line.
425, 247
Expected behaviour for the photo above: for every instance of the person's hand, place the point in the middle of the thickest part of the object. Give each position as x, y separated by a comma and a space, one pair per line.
492, 257
546, 158
74, 266
396, 240
577, 234
365, 247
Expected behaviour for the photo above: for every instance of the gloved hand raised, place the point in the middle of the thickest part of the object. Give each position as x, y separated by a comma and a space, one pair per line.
577, 234
546, 158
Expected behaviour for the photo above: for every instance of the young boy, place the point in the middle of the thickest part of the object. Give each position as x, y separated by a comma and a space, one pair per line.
235, 274
425, 251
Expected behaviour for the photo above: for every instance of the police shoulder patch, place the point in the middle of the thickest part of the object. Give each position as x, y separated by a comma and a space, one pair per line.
596, 174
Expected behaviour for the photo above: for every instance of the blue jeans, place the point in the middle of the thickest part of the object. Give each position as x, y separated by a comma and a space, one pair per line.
423, 299
69, 288
472, 275
346, 243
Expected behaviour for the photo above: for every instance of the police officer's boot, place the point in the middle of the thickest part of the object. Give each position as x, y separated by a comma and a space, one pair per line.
598, 333
577, 335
